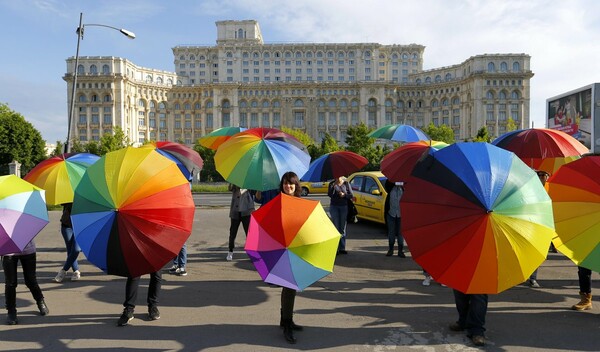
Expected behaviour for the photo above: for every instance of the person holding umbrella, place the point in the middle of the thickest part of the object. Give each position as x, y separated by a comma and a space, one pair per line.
66, 229
28, 259
131, 292
242, 206
340, 192
289, 185
392, 212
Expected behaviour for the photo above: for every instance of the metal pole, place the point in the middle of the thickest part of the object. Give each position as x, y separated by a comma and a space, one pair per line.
72, 107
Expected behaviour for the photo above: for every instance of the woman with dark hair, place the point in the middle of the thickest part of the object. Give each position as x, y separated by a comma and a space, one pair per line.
289, 185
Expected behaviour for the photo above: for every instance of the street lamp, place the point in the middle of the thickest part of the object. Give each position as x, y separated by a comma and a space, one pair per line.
79, 32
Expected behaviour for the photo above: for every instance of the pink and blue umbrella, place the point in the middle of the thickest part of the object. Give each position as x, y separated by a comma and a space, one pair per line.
23, 213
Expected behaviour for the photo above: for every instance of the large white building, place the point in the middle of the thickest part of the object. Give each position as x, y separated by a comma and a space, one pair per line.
317, 87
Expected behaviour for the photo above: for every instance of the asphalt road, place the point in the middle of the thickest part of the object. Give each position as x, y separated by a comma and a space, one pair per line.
369, 303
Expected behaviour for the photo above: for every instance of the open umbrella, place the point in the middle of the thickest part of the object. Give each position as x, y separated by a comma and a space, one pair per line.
575, 193
551, 165
257, 158
187, 159
399, 133
23, 213
476, 218
540, 143
398, 164
333, 165
132, 212
219, 136
292, 242
59, 175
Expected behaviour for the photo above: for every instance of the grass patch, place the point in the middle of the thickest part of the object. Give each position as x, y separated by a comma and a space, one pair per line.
214, 188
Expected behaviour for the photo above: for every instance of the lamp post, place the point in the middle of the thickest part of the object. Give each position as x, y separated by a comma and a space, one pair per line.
79, 32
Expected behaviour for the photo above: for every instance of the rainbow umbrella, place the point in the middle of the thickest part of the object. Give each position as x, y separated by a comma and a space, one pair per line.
476, 218
59, 175
551, 165
399, 133
219, 136
23, 213
333, 165
398, 165
292, 242
132, 212
575, 193
257, 158
187, 159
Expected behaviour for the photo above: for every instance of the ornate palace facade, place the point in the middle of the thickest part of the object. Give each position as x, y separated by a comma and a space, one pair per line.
318, 88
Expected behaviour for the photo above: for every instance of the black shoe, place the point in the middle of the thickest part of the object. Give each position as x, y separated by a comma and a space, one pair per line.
12, 318
342, 251
478, 340
288, 332
293, 325
456, 327
43, 308
401, 255
126, 317
153, 313
389, 253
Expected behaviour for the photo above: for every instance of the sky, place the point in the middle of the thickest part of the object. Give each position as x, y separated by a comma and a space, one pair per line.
562, 38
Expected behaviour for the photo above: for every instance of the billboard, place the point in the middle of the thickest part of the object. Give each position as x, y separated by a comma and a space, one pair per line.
573, 113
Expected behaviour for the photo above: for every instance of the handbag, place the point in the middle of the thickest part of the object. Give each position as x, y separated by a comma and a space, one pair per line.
352, 212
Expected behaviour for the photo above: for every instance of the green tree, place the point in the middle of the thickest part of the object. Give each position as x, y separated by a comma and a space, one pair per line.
60, 147
305, 139
19, 140
209, 171
328, 145
359, 142
483, 135
443, 133
510, 125
111, 142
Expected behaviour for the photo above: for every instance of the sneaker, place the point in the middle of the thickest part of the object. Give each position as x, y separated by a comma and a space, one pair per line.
11, 319
76, 275
153, 313
229, 256
456, 327
181, 272
533, 283
173, 269
43, 308
478, 340
126, 317
427, 281
60, 276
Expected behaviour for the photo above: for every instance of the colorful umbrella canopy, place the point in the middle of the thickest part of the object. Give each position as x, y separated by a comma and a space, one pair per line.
333, 165
551, 165
132, 212
575, 193
476, 218
23, 213
187, 159
399, 133
292, 242
257, 158
398, 165
59, 175
219, 136
540, 143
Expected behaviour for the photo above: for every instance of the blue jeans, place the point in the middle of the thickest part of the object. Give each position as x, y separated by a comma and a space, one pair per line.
339, 215
72, 249
393, 225
472, 309
181, 258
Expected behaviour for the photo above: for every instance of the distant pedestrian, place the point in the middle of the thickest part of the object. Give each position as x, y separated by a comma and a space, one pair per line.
28, 259
73, 250
131, 291
340, 192
179, 262
242, 206
394, 190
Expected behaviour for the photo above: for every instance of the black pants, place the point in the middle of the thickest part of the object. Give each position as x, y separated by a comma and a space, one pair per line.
472, 309
28, 263
233, 229
132, 286
288, 297
585, 279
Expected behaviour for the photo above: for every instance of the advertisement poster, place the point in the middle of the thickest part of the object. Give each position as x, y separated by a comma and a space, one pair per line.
572, 114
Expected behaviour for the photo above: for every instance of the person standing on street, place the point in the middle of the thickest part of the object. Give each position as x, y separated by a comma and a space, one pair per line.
340, 192
472, 309
131, 291
585, 289
73, 250
395, 192
242, 206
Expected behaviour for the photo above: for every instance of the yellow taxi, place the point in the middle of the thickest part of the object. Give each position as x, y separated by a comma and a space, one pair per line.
314, 187
369, 189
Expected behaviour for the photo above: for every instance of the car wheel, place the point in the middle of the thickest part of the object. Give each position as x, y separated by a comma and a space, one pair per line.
304, 192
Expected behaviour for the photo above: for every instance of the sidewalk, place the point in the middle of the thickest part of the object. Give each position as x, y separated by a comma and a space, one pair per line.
370, 303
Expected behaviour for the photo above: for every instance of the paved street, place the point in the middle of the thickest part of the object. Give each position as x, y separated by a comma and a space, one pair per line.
370, 303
